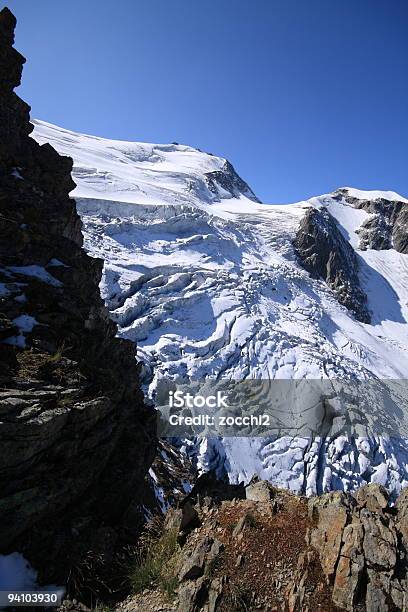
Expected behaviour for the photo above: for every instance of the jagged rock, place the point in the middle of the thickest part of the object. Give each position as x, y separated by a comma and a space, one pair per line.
325, 253
209, 487
354, 559
380, 541
375, 234
229, 181
189, 517
358, 544
75, 435
297, 594
378, 588
387, 227
350, 567
399, 594
191, 594
183, 519
240, 526
214, 594
400, 228
402, 519
261, 491
216, 549
318, 504
332, 514
373, 496
193, 567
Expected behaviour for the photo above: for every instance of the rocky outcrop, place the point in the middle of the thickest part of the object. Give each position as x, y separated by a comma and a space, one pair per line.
362, 549
76, 439
229, 181
325, 253
283, 552
387, 225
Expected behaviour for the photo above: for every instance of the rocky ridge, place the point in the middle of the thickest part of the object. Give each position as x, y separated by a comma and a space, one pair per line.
326, 254
262, 548
229, 181
76, 437
387, 225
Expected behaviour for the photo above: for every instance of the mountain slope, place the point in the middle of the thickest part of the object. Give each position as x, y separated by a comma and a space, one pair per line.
209, 283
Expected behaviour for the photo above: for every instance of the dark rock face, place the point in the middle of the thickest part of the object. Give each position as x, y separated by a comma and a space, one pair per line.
375, 233
387, 228
76, 439
400, 229
325, 253
230, 181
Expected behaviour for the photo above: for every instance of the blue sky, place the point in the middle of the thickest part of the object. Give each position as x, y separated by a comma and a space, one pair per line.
302, 96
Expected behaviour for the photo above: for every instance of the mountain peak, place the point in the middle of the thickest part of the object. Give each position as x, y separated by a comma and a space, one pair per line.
209, 284
146, 173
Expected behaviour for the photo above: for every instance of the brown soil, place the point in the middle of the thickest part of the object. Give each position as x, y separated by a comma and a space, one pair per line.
270, 547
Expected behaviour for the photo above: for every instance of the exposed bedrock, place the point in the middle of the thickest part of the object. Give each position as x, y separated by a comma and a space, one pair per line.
387, 225
325, 253
267, 549
76, 438
229, 181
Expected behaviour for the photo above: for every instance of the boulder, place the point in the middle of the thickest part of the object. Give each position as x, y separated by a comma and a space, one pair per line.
327, 537
373, 496
193, 567
380, 541
261, 491
191, 594
349, 571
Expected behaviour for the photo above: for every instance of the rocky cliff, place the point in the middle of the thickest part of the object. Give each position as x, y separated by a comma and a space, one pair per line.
326, 254
76, 439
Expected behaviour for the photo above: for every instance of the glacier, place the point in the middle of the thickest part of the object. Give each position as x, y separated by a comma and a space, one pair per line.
205, 279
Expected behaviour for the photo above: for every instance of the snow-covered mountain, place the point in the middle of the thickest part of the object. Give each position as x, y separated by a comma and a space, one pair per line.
210, 283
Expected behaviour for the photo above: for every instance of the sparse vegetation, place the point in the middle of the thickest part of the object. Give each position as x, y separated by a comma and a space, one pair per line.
57, 356
154, 563
53, 367
51, 362
169, 585
238, 598
214, 565
99, 607
252, 521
